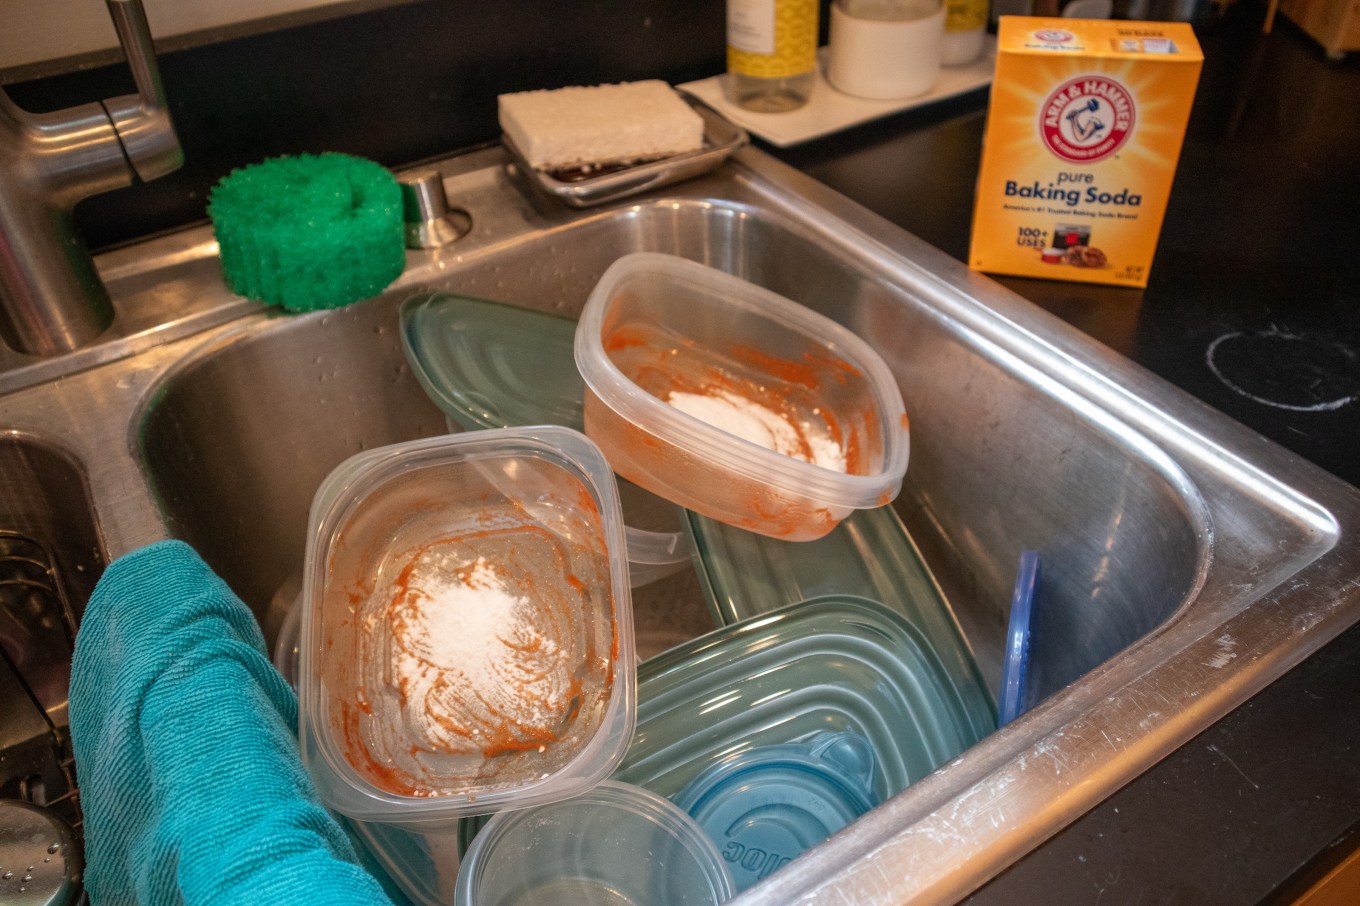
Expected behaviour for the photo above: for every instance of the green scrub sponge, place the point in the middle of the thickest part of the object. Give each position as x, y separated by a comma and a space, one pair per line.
309, 231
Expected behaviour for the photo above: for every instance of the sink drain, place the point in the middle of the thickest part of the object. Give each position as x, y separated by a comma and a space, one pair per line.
40, 861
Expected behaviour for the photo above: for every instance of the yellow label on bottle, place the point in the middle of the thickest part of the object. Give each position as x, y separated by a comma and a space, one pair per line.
772, 39
965, 15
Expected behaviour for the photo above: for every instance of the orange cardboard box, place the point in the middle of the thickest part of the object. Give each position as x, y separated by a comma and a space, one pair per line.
1084, 129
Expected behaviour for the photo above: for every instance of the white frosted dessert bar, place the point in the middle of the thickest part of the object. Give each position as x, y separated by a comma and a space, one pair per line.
599, 125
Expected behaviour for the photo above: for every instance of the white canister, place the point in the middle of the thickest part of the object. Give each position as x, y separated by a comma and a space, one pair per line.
965, 30
884, 49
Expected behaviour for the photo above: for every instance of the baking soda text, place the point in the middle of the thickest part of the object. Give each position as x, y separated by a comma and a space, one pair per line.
1084, 129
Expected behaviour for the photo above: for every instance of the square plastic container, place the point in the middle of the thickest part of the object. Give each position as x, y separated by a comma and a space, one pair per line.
736, 402
466, 638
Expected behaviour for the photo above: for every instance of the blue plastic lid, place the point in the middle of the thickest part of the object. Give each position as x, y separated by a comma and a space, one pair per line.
765, 806
1016, 661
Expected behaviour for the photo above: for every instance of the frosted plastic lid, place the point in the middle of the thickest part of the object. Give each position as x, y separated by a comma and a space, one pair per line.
835, 663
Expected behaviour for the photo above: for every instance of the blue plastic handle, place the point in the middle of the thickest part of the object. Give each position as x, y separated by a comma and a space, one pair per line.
1016, 661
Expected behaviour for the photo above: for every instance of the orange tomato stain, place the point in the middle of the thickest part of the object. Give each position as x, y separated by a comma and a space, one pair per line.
510, 736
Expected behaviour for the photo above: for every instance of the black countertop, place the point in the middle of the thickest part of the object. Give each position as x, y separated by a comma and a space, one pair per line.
1254, 307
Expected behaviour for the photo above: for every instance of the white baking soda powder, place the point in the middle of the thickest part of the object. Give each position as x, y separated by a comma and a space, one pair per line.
761, 425
474, 659
462, 624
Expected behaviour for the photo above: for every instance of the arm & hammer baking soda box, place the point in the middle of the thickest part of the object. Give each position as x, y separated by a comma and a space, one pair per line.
1084, 129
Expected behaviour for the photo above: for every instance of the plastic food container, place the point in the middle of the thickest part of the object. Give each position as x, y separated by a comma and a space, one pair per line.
466, 632
616, 844
735, 402
486, 364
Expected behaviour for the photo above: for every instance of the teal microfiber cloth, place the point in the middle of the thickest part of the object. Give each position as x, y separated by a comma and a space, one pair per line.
192, 786
309, 231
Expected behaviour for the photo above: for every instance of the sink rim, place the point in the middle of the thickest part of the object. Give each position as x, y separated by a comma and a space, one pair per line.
909, 839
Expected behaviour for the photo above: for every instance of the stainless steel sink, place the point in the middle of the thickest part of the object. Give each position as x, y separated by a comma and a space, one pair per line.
51, 556
1187, 561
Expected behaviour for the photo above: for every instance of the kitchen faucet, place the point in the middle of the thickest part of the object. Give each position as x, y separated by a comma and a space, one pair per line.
51, 298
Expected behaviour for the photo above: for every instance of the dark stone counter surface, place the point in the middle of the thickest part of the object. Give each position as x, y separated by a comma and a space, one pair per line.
1254, 307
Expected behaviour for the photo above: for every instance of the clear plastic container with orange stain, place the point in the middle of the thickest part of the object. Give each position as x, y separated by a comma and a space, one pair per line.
466, 631
736, 402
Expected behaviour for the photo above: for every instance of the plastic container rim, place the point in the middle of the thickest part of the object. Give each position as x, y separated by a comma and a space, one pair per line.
792, 476
339, 494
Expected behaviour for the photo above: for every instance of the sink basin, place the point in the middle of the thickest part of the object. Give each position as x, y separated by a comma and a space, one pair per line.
1187, 561
45, 496
51, 555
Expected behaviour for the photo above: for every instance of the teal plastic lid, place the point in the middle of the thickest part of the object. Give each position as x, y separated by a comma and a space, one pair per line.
490, 365
869, 555
764, 807
829, 664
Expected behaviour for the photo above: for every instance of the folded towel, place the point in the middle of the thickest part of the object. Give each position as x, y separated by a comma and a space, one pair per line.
184, 735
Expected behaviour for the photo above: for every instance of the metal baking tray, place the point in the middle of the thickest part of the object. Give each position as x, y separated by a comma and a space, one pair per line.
721, 138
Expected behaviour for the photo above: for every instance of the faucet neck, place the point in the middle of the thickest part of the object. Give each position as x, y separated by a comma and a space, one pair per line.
59, 158
51, 298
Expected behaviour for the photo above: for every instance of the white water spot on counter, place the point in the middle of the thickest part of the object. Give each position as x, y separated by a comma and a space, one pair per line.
1227, 646
1224, 755
1285, 370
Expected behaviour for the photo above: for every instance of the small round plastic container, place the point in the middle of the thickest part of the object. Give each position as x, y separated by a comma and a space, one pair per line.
466, 627
616, 844
735, 402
